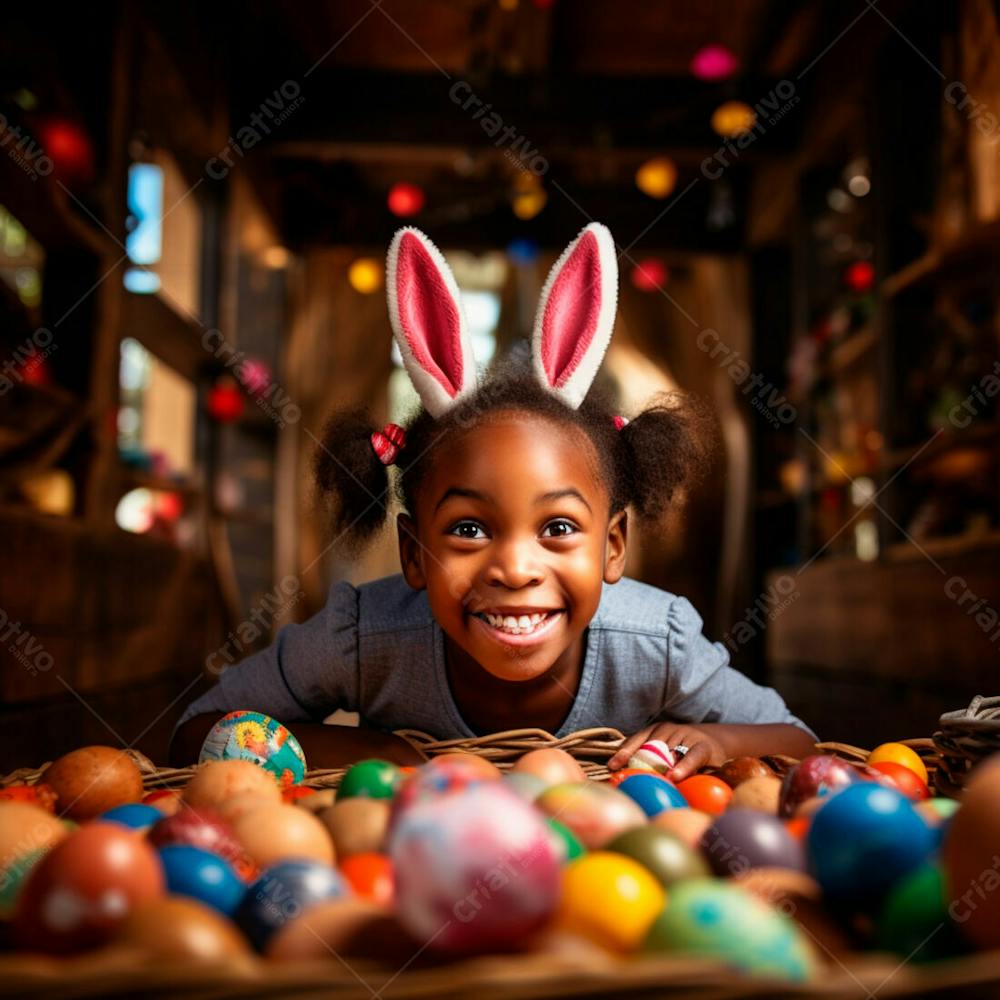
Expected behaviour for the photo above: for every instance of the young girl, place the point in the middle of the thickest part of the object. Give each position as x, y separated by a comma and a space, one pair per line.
511, 610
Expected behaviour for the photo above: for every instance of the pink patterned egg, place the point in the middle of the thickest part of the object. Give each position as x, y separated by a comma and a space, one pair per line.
431, 781
475, 870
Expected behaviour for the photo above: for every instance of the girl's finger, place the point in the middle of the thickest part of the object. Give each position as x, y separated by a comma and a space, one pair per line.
629, 747
694, 759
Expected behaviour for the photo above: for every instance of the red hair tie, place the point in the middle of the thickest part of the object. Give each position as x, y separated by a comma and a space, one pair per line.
620, 422
388, 443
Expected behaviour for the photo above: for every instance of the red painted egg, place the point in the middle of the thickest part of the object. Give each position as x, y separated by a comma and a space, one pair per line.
203, 827
80, 892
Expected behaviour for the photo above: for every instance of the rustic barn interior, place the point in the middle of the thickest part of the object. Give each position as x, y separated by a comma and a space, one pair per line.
195, 202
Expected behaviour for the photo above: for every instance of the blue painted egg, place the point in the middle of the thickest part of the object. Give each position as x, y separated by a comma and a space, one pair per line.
202, 875
283, 892
652, 794
260, 739
134, 815
863, 840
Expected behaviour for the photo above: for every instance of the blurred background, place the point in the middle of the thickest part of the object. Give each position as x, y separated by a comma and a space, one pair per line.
195, 202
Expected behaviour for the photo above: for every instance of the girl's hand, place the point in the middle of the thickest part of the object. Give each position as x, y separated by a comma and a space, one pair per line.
703, 748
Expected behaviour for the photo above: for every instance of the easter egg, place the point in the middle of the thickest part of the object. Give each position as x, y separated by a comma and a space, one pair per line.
736, 770
255, 737
652, 794
133, 815
914, 920
722, 921
357, 826
903, 779
27, 833
472, 763
567, 844
278, 833
741, 839
864, 839
219, 781
899, 753
969, 857
203, 827
476, 869
552, 765
437, 778
39, 794
178, 928
370, 779
527, 786
350, 928
665, 856
688, 824
167, 800
617, 777
595, 813
705, 792
92, 780
370, 876
653, 755
201, 875
609, 899
763, 794
76, 896
283, 893
814, 777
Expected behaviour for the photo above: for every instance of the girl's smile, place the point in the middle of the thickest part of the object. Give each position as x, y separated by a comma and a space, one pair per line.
513, 539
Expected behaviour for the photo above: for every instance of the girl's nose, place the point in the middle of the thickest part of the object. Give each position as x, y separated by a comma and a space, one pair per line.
514, 565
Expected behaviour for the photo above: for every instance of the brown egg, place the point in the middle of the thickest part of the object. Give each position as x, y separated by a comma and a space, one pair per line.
277, 833
688, 824
178, 927
357, 825
758, 793
92, 780
736, 770
478, 765
969, 857
27, 832
348, 927
239, 805
218, 781
551, 765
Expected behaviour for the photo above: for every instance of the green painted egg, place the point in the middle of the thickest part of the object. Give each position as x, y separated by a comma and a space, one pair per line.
568, 846
666, 856
914, 921
370, 779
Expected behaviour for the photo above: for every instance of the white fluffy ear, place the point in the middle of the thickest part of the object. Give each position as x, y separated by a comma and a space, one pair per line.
425, 311
576, 314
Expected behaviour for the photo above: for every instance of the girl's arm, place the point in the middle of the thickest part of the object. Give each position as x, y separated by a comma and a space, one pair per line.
323, 746
712, 744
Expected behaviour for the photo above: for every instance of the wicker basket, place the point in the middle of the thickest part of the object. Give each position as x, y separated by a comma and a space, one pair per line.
964, 739
114, 973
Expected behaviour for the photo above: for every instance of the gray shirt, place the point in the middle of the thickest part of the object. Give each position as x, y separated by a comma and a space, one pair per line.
377, 650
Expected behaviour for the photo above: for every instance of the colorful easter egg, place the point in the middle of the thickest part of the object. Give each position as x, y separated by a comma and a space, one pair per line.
371, 877
663, 854
815, 777
370, 779
259, 739
720, 920
133, 815
476, 869
741, 839
654, 755
705, 792
914, 921
899, 753
595, 813
201, 875
652, 794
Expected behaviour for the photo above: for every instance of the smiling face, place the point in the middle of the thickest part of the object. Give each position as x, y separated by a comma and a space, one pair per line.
512, 539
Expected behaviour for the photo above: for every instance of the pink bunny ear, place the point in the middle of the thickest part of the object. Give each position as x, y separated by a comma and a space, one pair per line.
576, 314
428, 322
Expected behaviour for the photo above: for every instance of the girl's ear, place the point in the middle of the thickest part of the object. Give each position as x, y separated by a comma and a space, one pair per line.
576, 314
425, 311
409, 552
614, 549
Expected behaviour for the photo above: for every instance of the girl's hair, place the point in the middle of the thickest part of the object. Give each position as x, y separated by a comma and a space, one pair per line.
659, 451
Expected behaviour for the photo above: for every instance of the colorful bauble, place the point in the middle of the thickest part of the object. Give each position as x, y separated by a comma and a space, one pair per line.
722, 921
259, 739
652, 794
610, 899
283, 893
370, 779
863, 840
475, 869
202, 875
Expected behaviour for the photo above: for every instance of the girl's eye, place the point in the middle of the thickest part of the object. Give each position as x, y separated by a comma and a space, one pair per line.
558, 529
467, 529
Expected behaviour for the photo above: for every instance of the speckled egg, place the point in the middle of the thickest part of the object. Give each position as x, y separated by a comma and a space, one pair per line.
477, 869
91, 780
259, 739
719, 920
219, 782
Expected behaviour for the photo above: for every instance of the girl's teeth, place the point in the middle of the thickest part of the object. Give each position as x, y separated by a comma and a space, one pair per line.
518, 625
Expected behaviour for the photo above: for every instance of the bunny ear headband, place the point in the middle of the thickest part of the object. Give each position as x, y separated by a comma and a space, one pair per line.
573, 324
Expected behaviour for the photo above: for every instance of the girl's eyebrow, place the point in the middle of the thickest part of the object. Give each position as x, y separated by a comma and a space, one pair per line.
463, 491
